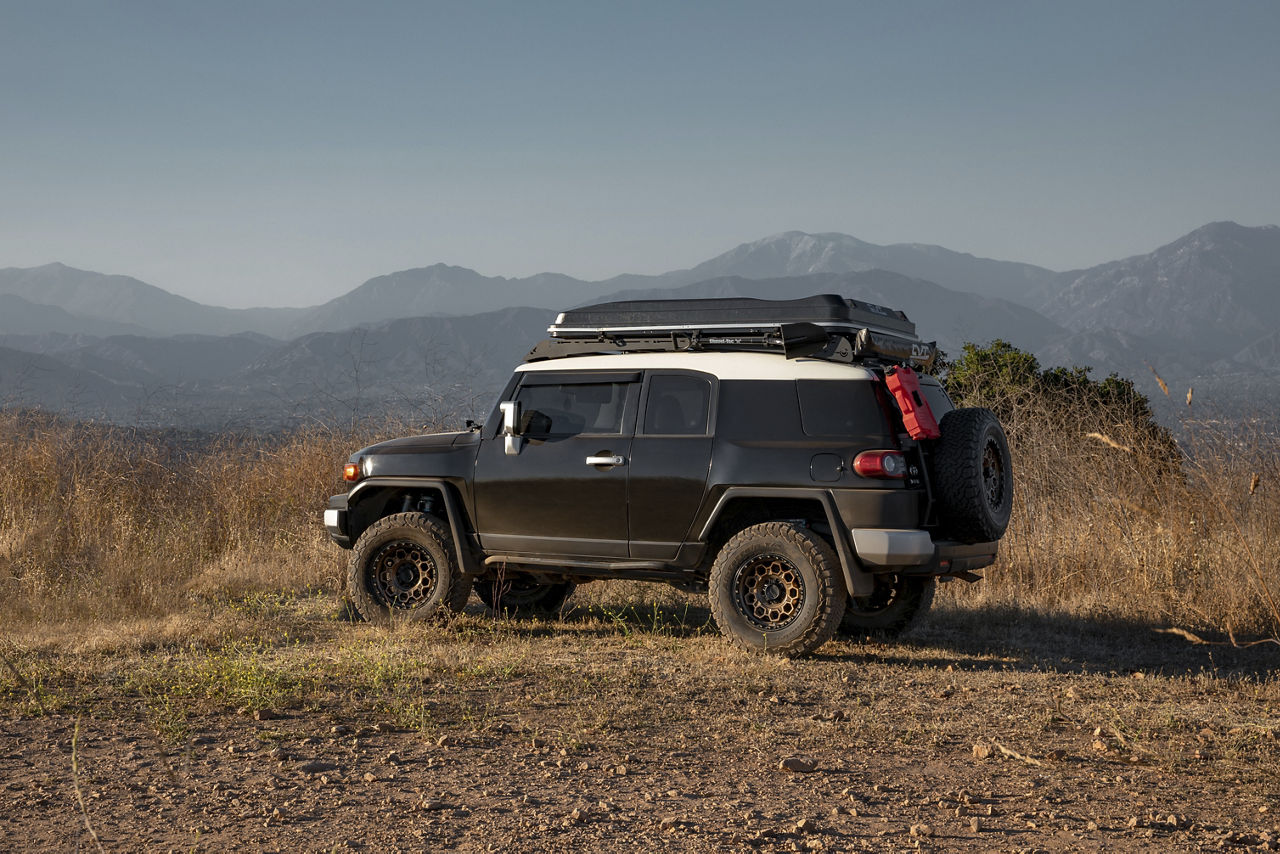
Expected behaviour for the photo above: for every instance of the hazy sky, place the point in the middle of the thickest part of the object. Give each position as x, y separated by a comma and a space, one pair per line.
280, 153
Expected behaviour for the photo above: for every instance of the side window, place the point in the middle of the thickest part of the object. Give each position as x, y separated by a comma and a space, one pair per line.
939, 403
572, 408
678, 405
840, 408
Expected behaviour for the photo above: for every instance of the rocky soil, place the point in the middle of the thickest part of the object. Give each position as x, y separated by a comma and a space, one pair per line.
621, 731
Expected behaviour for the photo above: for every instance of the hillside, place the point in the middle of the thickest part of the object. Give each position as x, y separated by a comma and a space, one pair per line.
1216, 289
96, 298
1201, 312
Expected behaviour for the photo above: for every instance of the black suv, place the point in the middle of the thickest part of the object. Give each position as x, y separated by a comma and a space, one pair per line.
782, 456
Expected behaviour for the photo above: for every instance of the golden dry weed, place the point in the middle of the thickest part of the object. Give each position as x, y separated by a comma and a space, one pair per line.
112, 536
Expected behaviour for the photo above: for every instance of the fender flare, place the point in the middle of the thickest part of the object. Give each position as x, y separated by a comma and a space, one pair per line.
857, 580
454, 515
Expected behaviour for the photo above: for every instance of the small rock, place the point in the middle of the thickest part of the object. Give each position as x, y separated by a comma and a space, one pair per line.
370, 777
1100, 745
1133, 822
315, 766
921, 830
981, 750
538, 743
278, 754
620, 770
806, 825
576, 815
1093, 825
975, 825
797, 765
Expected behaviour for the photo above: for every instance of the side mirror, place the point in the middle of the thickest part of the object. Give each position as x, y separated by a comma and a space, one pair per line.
512, 441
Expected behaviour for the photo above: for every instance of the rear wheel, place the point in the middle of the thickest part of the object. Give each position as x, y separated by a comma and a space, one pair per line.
403, 568
887, 612
776, 587
520, 595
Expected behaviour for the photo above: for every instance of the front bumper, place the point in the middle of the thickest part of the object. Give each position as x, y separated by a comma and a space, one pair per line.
335, 520
915, 551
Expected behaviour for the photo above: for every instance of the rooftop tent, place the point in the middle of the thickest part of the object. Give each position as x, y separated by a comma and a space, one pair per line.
826, 310
826, 326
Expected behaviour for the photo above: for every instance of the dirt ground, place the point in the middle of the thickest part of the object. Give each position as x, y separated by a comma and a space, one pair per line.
639, 729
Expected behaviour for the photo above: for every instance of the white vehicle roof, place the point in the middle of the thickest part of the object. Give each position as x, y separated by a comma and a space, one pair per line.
724, 365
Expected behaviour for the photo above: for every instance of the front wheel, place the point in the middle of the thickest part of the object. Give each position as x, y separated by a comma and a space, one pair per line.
896, 601
776, 587
403, 568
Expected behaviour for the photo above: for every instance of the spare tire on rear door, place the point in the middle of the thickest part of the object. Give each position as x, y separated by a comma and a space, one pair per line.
973, 476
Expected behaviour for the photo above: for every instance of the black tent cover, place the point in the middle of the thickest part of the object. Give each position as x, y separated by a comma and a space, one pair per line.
827, 310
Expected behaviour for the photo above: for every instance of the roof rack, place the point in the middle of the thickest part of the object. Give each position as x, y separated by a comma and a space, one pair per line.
821, 327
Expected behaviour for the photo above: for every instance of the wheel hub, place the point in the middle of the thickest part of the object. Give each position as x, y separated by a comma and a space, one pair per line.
403, 575
993, 475
768, 591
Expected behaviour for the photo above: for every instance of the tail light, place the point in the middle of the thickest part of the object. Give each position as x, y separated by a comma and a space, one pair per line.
882, 464
351, 471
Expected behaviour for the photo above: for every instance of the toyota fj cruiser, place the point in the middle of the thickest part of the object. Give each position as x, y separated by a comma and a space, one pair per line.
782, 456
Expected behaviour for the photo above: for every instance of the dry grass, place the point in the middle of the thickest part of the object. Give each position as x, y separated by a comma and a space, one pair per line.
108, 526
1113, 518
122, 537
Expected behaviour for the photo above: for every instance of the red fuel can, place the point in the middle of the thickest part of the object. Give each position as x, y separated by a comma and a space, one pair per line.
917, 417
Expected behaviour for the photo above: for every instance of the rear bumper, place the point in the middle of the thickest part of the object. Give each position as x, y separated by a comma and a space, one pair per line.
335, 520
915, 551
893, 546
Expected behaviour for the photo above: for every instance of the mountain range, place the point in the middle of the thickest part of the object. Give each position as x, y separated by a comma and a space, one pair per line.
1203, 310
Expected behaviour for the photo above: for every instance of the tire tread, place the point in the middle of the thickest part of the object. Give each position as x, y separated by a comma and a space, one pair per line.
830, 590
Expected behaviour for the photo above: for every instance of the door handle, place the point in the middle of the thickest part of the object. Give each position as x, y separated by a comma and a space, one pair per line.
604, 460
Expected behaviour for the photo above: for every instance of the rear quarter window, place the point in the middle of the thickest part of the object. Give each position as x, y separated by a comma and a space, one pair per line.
840, 408
936, 397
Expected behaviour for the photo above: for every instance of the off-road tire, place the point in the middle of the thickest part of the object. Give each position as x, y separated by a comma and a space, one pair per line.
973, 476
886, 613
518, 595
777, 587
403, 568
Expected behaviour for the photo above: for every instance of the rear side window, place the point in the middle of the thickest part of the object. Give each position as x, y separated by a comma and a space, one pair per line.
937, 399
678, 405
840, 408
572, 408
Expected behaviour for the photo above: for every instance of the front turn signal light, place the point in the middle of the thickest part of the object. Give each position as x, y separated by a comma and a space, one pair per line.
882, 464
351, 471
